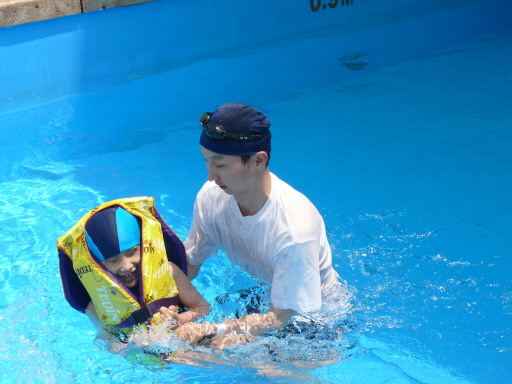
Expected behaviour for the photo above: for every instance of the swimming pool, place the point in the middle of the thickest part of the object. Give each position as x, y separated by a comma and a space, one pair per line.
408, 159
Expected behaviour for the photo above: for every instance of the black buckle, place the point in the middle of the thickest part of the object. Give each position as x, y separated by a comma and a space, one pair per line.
141, 315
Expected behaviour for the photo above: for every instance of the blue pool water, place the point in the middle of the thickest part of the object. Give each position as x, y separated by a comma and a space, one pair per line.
408, 159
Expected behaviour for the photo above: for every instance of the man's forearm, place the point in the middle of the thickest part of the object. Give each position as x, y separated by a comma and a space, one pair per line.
256, 324
239, 331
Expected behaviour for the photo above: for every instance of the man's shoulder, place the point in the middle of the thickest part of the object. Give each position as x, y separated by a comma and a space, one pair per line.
290, 198
298, 209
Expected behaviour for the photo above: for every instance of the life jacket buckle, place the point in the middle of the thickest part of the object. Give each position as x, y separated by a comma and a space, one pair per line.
141, 315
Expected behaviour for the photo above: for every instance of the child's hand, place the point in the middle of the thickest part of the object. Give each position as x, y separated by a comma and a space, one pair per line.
172, 313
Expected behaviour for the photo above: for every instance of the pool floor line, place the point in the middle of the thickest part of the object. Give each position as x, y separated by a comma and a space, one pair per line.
14, 12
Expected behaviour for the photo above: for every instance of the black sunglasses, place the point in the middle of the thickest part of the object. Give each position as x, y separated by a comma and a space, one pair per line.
217, 131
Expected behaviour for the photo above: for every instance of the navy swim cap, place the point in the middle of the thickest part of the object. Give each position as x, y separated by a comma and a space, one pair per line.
111, 231
238, 118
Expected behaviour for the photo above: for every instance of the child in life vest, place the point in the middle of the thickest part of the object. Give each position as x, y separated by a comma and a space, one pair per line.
121, 264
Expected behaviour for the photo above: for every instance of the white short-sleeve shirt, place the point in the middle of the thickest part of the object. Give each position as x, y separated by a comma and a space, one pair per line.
284, 245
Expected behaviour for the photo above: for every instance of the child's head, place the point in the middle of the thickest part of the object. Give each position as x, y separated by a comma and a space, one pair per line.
113, 238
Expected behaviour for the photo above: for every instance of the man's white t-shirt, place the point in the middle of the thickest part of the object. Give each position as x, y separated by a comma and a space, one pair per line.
284, 245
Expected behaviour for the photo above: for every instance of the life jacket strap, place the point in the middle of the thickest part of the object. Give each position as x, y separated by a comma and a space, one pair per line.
145, 313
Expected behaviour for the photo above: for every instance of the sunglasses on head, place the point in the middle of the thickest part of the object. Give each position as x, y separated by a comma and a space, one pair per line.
217, 131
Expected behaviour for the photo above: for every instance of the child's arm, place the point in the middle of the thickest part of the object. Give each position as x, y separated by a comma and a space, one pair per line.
105, 333
103, 330
189, 297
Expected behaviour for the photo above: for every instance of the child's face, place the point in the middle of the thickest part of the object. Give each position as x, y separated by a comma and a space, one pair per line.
124, 266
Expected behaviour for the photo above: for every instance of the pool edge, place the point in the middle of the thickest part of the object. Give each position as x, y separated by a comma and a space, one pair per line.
14, 12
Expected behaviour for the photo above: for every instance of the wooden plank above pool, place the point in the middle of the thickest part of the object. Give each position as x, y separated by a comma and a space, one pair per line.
14, 12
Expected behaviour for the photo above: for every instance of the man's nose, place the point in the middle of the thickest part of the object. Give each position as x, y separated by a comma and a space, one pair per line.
212, 175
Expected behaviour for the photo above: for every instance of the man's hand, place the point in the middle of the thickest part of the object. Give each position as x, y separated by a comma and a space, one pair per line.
192, 332
255, 324
227, 341
240, 331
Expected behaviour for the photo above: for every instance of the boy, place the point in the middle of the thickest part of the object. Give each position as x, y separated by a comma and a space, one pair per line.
121, 264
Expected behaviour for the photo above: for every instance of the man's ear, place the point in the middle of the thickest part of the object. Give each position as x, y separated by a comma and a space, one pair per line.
261, 159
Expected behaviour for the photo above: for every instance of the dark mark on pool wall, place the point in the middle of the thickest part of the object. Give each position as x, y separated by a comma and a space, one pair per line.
316, 5
353, 55
354, 65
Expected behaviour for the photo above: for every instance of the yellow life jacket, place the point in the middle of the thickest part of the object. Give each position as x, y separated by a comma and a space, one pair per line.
84, 278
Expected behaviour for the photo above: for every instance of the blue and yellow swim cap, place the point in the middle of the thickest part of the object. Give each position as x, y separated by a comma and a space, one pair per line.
112, 231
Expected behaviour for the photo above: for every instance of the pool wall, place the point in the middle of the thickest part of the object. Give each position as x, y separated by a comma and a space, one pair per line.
51, 59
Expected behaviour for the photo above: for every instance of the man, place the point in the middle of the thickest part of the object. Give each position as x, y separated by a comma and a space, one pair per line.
264, 226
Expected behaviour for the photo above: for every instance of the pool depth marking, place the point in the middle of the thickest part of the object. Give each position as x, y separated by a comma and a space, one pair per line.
316, 5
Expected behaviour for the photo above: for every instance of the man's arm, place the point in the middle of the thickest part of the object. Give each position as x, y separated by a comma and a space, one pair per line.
256, 324
239, 331
198, 244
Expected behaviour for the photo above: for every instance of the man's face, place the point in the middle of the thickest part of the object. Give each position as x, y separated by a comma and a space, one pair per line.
124, 266
229, 173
